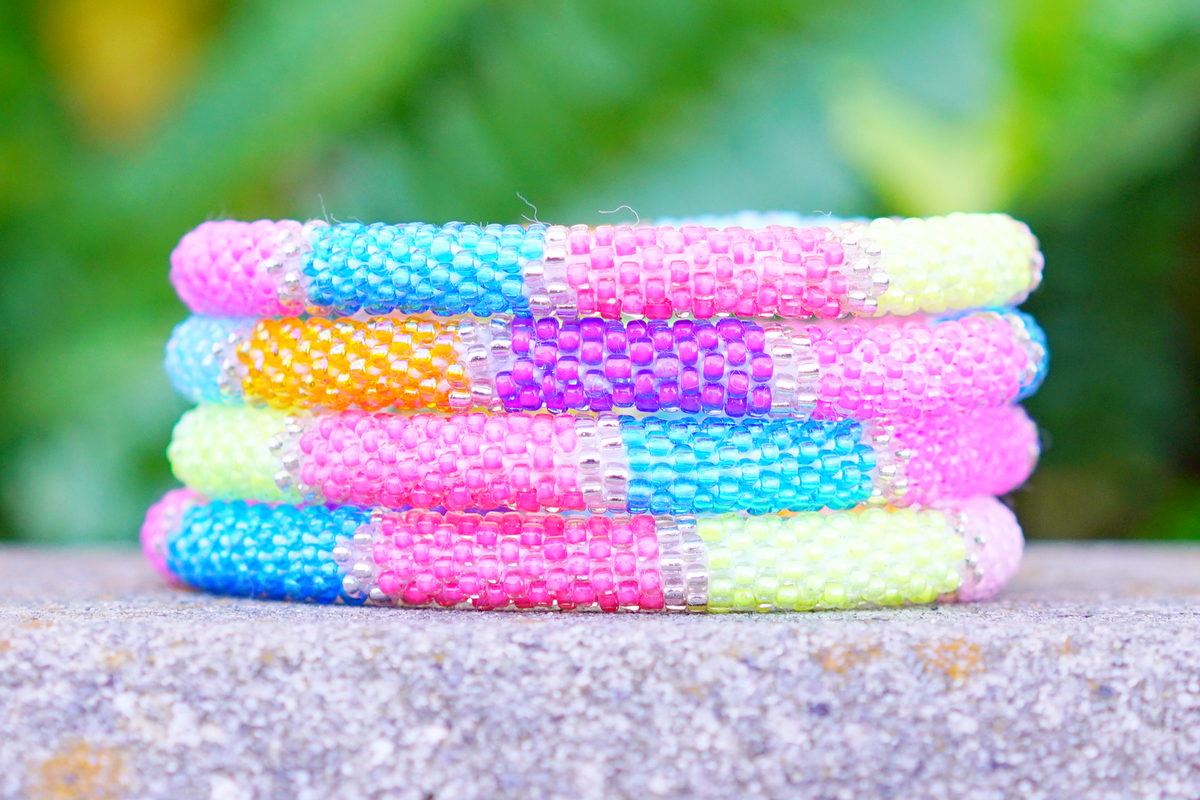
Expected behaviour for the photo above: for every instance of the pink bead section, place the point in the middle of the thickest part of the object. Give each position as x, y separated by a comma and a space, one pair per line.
996, 541
990, 451
162, 519
702, 272
225, 268
911, 369
522, 461
497, 560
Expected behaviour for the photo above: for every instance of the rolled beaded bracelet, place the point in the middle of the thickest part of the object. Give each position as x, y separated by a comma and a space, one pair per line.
906, 368
965, 551
599, 462
267, 268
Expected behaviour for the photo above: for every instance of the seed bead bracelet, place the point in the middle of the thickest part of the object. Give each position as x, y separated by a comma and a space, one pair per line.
885, 266
965, 551
595, 462
906, 367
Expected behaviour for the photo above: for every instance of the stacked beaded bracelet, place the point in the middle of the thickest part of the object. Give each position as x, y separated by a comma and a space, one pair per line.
599, 463
810, 456
963, 551
919, 366
825, 270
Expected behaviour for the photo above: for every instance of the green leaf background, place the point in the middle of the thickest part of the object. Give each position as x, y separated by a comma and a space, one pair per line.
123, 124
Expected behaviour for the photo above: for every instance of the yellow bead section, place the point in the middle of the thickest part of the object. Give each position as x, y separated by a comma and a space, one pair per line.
339, 364
225, 453
883, 557
955, 262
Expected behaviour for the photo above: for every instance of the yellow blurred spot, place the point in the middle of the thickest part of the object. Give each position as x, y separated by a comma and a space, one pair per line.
121, 61
920, 162
81, 772
840, 658
956, 659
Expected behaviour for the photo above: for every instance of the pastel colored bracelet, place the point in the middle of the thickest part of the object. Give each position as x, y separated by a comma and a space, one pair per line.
886, 266
910, 368
965, 551
597, 462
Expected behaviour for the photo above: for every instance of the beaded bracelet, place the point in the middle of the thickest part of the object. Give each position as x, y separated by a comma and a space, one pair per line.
905, 368
965, 551
595, 462
886, 266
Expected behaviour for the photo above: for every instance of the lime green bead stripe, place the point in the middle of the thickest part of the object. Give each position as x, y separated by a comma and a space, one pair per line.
842, 560
228, 454
957, 261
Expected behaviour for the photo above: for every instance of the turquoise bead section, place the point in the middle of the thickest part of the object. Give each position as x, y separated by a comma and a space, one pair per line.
281, 553
417, 267
1038, 338
713, 465
193, 361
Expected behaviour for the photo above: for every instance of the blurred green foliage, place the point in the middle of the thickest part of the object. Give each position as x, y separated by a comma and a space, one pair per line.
123, 123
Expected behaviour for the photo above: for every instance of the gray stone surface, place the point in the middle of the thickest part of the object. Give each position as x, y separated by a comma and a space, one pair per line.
1082, 681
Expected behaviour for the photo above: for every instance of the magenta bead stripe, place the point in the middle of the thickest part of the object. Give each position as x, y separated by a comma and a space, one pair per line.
597, 462
964, 551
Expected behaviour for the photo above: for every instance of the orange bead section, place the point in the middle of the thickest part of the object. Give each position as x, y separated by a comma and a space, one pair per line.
410, 364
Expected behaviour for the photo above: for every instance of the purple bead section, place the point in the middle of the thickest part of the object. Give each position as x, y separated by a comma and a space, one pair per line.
651, 366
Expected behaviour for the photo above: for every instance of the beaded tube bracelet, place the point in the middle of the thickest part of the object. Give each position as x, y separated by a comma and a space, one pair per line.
964, 551
906, 368
885, 266
595, 462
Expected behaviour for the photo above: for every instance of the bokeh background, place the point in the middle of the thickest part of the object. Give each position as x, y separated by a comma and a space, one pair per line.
124, 123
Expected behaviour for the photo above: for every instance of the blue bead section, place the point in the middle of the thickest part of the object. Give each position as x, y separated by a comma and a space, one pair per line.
417, 267
1038, 335
712, 465
280, 553
192, 365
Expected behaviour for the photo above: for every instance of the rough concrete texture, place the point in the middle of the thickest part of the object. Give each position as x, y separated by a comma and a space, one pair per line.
1082, 681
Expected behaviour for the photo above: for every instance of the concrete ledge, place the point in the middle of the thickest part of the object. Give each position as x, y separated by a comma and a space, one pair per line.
1082, 681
